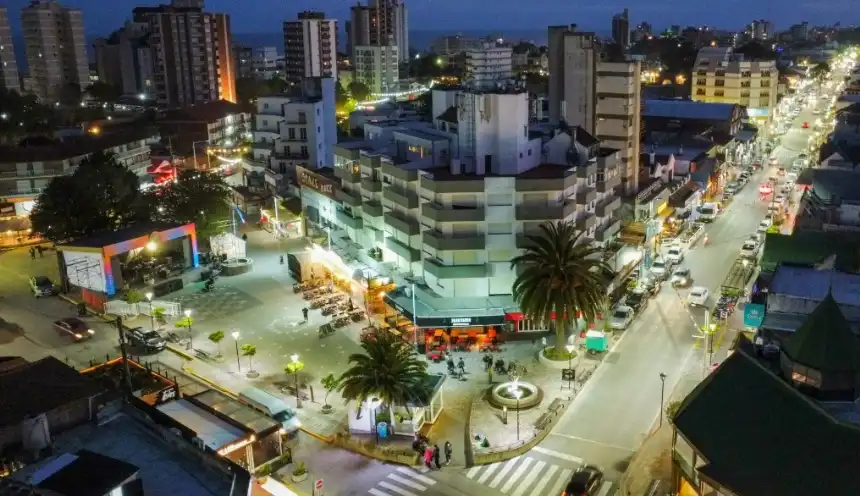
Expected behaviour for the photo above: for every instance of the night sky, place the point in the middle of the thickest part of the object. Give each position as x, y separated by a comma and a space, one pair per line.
265, 16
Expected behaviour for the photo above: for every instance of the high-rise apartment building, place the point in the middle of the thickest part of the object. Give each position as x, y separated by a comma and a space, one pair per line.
192, 54
720, 76
382, 22
310, 47
377, 67
800, 32
760, 30
488, 65
8, 64
621, 28
602, 97
56, 48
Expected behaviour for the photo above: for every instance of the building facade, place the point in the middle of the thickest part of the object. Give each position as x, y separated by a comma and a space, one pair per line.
377, 67
621, 28
192, 131
381, 22
489, 65
56, 48
192, 55
720, 76
602, 97
266, 62
310, 47
9, 78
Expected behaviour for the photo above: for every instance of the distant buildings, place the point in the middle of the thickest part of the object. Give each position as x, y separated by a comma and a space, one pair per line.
382, 22
621, 28
310, 47
243, 60
196, 131
760, 30
378, 67
800, 32
488, 65
452, 46
56, 50
602, 97
124, 59
720, 76
9, 78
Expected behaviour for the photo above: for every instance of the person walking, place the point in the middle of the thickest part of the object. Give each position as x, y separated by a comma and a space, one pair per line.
461, 365
436, 456
449, 450
41, 251
32, 253
428, 457
305, 313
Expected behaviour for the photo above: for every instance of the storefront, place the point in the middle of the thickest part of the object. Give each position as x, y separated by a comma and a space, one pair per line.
319, 201
15, 222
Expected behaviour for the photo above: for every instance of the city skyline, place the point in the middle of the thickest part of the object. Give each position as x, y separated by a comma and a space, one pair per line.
506, 15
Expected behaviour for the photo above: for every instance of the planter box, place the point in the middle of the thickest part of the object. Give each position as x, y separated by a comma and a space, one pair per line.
554, 364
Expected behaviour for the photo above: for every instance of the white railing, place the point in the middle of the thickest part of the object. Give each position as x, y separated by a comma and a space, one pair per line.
119, 307
122, 308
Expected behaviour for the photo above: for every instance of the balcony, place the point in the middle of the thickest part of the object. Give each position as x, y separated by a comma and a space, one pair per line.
372, 208
441, 271
606, 233
348, 174
370, 185
608, 184
30, 173
346, 220
522, 241
464, 185
450, 242
544, 184
608, 206
589, 169
545, 212
371, 162
585, 195
23, 192
399, 173
273, 174
404, 198
352, 154
441, 213
586, 221
347, 197
405, 252
402, 223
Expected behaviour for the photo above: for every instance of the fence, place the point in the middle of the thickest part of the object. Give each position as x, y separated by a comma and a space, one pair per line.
126, 309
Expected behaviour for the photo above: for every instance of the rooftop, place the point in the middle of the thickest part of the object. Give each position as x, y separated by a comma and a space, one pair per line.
84, 474
74, 146
837, 185
687, 109
204, 112
253, 421
809, 248
113, 237
57, 383
214, 432
825, 342
813, 284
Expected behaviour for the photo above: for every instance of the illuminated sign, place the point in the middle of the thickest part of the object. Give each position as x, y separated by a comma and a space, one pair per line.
226, 450
316, 182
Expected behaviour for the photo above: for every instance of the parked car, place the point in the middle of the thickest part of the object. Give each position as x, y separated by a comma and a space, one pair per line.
636, 299
586, 481
763, 226
659, 269
42, 286
698, 296
73, 327
681, 277
708, 212
675, 255
651, 285
621, 317
147, 339
749, 249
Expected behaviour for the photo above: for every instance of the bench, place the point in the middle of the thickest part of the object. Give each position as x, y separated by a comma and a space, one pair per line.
202, 354
543, 421
556, 405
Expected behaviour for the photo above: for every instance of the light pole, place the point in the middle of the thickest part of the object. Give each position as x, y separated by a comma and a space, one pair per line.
151, 317
190, 335
662, 392
570, 348
295, 359
235, 335
518, 393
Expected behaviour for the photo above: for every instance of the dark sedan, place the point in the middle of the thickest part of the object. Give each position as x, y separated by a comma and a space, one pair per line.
584, 482
75, 328
637, 300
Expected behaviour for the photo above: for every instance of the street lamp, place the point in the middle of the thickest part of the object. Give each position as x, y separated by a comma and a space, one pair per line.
151, 317
374, 402
569, 348
662, 392
518, 393
295, 359
235, 335
190, 335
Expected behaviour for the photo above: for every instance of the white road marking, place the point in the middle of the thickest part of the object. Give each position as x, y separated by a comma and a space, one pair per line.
415, 475
473, 471
396, 489
604, 488
507, 468
558, 454
529, 480
516, 475
377, 492
562, 481
492, 468
538, 490
407, 482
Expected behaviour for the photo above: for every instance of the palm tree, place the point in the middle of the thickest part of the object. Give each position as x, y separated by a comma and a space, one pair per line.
558, 275
389, 370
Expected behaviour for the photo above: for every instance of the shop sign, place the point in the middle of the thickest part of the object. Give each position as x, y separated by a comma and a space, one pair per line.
487, 320
753, 315
316, 182
166, 395
7, 209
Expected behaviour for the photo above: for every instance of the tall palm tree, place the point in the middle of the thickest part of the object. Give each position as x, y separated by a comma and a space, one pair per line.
389, 369
556, 274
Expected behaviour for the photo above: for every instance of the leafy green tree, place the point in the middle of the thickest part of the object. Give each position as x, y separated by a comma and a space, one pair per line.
216, 337
389, 369
329, 383
200, 197
249, 350
558, 274
359, 91
99, 196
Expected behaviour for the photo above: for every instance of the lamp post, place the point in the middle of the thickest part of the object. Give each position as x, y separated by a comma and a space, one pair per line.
569, 348
662, 392
518, 393
190, 335
235, 335
151, 317
295, 359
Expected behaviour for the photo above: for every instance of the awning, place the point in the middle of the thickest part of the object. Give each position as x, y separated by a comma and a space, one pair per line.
666, 213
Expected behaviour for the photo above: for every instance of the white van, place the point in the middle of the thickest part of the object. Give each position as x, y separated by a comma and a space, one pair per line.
271, 406
791, 177
708, 212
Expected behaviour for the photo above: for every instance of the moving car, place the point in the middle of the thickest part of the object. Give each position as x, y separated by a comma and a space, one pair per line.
698, 296
585, 481
749, 249
147, 339
76, 328
763, 226
773, 161
658, 269
675, 255
42, 286
621, 317
636, 299
681, 277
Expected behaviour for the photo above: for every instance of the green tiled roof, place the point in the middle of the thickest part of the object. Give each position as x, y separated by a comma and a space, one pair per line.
761, 437
810, 248
825, 341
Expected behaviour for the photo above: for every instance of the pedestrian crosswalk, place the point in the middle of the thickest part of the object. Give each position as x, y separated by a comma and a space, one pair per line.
402, 482
530, 475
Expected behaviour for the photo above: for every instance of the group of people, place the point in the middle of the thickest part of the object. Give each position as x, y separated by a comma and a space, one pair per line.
460, 370
37, 249
432, 454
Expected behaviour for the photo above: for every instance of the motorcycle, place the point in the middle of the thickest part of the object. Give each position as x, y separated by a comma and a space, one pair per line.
209, 285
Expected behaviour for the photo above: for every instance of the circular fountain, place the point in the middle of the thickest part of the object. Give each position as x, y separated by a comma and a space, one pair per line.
236, 266
515, 395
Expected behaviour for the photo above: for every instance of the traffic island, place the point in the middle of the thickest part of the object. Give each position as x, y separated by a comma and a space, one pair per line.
236, 266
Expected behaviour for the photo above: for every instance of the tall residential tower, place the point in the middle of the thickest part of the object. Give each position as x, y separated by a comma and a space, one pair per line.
310, 47
8, 65
380, 23
56, 48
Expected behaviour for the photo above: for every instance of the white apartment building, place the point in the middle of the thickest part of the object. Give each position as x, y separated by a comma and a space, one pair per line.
293, 131
450, 204
266, 63
720, 76
488, 65
310, 46
602, 97
377, 66
56, 48
380, 22
8, 64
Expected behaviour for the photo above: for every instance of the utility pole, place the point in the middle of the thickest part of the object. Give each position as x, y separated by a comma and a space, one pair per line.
123, 350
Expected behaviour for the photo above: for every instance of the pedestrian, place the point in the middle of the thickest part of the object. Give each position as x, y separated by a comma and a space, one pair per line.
543, 343
436, 456
448, 451
282, 260
32, 253
39, 249
428, 457
244, 237
461, 365
305, 313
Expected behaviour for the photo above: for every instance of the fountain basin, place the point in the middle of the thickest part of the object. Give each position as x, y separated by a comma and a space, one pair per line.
236, 266
502, 395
